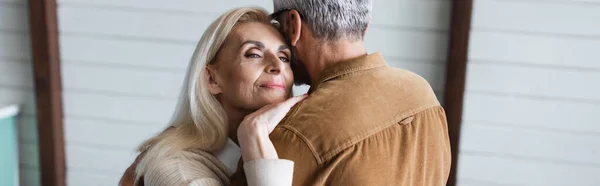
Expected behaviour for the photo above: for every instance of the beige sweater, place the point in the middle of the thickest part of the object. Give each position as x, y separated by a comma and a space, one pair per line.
200, 168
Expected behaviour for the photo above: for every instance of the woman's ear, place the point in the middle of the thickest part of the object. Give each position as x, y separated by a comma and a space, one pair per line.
294, 26
214, 87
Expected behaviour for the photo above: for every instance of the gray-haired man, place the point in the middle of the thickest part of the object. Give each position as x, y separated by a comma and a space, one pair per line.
364, 122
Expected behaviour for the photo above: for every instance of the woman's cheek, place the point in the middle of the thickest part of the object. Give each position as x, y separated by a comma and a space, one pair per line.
290, 77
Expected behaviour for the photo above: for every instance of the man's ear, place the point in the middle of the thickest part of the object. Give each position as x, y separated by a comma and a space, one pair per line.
294, 26
214, 87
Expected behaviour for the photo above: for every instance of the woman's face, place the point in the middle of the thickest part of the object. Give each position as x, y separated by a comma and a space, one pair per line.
252, 69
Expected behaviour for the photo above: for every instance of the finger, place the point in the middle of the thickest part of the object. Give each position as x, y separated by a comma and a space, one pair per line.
280, 111
285, 106
292, 101
263, 109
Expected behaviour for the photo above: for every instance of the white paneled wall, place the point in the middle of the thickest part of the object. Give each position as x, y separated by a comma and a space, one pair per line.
123, 62
16, 83
532, 100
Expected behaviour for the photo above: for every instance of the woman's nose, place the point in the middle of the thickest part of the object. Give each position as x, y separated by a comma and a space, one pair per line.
274, 71
275, 66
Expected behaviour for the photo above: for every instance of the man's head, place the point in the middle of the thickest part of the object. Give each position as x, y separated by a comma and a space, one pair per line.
329, 19
310, 25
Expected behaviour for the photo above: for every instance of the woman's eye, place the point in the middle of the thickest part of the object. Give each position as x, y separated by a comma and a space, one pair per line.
253, 56
284, 59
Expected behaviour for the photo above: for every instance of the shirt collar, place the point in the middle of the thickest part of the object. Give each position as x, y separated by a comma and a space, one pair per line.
362, 63
230, 155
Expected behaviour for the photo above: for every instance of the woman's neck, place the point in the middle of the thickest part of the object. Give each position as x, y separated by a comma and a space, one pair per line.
234, 119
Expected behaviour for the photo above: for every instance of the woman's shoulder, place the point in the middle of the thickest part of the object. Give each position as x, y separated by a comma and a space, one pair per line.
183, 167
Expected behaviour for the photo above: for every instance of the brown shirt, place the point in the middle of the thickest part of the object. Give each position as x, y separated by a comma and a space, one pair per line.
365, 123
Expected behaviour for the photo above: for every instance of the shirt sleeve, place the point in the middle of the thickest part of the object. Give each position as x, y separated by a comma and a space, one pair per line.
269, 172
291, 146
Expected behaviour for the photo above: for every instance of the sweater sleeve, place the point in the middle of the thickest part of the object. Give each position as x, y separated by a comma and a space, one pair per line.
183, 169
205, 182
269, 172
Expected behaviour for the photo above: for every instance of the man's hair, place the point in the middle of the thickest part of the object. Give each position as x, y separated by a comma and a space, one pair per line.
332, 19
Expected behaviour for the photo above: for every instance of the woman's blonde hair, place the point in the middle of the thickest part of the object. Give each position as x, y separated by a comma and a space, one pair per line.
199, 121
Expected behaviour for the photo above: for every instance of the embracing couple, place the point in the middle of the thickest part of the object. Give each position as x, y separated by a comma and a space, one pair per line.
361, 123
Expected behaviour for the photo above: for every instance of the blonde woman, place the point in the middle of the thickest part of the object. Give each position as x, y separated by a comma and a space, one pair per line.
235, 92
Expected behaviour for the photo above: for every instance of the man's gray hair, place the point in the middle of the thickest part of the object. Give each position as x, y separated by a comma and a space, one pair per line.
332, 19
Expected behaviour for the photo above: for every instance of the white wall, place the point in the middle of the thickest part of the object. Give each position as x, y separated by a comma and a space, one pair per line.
123, 62
533, 96
16, 82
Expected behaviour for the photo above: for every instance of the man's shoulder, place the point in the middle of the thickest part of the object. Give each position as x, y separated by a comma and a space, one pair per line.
402, 77
342, 112
381, 80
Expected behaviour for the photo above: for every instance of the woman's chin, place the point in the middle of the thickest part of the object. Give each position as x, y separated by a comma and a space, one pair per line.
274, 98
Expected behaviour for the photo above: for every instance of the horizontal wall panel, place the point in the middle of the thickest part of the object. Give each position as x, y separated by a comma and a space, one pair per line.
527, 112
76, 177
158, 55
412, 14
534, 49
25, 98
14, 17
178, 27
421, 45
29, 154
19, 45
434, 73
180, 6
557, 145
122, 134
534, 16
471, 182
108, 161
122, 80
517, 171
27, 128
534, 81
16, 73
116, 107
12, 2
29, 176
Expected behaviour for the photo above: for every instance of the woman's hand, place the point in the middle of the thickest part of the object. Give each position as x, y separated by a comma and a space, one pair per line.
253, 132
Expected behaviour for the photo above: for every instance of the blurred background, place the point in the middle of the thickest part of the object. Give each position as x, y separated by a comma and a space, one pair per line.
531, 106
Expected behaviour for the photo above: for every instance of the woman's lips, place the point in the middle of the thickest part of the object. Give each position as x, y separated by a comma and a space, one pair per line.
277, 86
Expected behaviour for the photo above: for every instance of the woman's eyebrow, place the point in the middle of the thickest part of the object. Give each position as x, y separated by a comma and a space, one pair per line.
257, 43
283, 47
